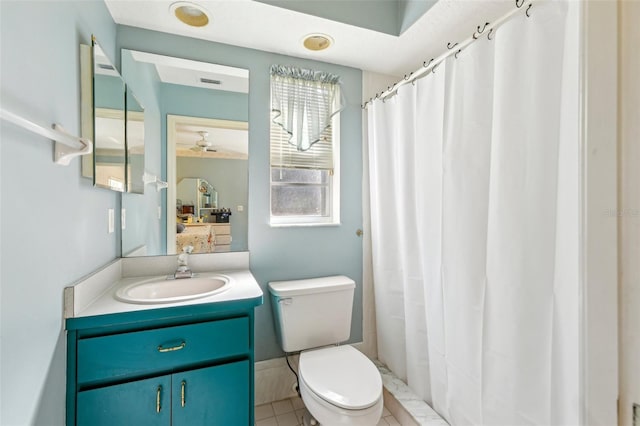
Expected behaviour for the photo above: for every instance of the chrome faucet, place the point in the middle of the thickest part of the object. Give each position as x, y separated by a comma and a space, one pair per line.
183, 270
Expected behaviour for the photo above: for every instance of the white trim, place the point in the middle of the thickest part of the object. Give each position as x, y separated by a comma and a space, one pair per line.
294, 225
598, 258
172, 137
333, 219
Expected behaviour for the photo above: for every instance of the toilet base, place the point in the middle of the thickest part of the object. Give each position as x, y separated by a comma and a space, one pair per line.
308, 420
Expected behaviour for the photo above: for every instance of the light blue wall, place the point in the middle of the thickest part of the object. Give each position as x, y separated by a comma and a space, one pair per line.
230, 179
386, 16
142, 225
207, 103
53, 223
409, 11
377, 15
108, 92
283, 253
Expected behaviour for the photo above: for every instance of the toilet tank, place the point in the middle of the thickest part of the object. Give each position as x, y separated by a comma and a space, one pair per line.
313, 312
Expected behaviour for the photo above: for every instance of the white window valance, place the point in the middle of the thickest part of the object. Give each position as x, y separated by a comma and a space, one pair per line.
303, 102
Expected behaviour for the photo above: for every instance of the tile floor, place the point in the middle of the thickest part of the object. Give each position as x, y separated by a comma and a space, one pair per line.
289, 412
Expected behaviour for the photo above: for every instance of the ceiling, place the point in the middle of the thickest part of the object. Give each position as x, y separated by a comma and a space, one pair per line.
226, 143
271, 28
229, 139
195, 73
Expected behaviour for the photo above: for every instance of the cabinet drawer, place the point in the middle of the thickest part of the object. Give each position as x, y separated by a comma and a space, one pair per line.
220, 240
137, 353
221, 229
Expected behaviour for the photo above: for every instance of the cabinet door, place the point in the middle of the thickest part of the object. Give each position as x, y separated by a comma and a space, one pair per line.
214, 396
140, 403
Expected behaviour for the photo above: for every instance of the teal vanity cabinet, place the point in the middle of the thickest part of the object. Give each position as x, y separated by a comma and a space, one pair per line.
182, 366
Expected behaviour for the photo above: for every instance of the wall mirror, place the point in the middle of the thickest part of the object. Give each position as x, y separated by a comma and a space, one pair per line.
103, 119
135, 143
196, 139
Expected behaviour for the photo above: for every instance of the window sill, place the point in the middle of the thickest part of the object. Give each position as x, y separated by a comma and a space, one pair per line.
303, 225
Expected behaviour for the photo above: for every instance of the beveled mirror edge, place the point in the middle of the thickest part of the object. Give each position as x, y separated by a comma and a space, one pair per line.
88, 112
86, 105
133, 116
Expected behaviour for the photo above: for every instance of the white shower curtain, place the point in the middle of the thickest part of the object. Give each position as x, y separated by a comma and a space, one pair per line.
474, 215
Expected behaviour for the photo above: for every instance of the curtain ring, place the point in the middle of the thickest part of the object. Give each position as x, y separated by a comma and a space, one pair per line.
433, 70
456, 54
489, 35
519, 3
451, 46
480, 31
425, 64
526, 12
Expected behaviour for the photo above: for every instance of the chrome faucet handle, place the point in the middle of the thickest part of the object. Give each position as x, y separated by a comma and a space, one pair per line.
183, 258
183, 270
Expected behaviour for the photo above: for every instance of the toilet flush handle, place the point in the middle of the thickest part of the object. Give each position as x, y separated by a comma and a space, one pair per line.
285, 300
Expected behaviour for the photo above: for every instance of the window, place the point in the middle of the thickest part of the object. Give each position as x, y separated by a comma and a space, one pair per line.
304, 167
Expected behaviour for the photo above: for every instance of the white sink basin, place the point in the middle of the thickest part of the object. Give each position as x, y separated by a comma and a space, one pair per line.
161, 290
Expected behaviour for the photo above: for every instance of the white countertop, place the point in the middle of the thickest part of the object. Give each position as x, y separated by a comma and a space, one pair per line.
244, 287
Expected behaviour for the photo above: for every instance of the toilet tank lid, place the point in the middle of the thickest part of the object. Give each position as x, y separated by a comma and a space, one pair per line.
311, 285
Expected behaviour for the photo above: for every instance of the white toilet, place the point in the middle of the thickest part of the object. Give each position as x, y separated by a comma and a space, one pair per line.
338, 384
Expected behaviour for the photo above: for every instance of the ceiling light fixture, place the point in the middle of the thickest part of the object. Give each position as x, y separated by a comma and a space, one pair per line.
317, 41
190, 13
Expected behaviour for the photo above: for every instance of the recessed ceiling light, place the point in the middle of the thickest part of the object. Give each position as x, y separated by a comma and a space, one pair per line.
317, 41
190, 13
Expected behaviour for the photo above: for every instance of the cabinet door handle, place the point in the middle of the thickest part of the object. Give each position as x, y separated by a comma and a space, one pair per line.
158, 395
183, 400
172, 348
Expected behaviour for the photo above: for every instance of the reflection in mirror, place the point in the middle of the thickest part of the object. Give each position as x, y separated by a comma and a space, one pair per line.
108, 123
211, 165
196, 123
135, 144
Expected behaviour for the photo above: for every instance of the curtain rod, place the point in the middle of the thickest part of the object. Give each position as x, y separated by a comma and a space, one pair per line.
452, 49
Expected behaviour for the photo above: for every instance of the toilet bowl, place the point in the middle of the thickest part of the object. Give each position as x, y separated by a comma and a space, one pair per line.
340, 386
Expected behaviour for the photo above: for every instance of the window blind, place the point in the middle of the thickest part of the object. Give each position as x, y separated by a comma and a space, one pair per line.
286, 155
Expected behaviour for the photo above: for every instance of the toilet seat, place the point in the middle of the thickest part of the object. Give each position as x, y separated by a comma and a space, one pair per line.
341, 376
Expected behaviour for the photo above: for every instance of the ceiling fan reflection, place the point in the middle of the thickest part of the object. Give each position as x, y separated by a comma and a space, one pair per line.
203, 144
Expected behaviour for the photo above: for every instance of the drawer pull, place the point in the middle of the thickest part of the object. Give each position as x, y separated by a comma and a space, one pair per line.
158, 394
172, 348
182, 398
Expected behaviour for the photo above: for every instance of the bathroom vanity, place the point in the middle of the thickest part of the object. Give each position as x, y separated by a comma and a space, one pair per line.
182, 363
